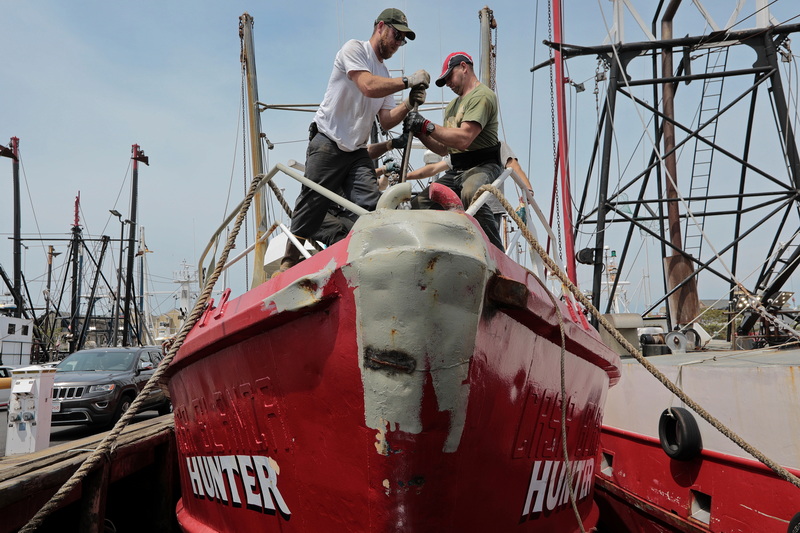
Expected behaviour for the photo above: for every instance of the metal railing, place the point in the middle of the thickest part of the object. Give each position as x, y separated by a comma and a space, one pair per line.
358, 210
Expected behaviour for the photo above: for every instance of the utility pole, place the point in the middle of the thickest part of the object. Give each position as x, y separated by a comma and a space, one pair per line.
12, 151
138, 156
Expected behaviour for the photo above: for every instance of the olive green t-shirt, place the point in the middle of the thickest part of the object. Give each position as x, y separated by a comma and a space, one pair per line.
479, 105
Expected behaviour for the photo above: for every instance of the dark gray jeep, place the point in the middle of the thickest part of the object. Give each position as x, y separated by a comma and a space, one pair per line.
95, 386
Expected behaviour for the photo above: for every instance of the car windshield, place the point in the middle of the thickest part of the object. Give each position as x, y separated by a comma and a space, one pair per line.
97, 360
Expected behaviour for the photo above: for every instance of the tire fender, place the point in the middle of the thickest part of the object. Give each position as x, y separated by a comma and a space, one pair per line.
679, 434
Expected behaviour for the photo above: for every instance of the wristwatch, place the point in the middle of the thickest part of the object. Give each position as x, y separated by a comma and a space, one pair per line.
429, 127
405, 81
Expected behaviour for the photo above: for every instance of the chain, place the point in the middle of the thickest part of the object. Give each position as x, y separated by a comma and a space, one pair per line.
493, 53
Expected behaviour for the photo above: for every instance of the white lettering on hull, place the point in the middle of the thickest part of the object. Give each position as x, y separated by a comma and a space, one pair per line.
548, 489
223, 479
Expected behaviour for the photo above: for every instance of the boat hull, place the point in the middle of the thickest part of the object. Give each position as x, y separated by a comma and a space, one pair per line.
405, 379
720, 488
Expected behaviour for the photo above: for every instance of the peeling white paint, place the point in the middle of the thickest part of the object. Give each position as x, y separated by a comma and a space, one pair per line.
299, 294
765, 514
419, 280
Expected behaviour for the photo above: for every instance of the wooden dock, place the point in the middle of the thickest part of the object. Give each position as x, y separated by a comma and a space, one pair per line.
136, 489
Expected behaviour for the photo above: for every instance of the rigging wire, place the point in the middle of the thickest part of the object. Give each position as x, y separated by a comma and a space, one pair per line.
533, 90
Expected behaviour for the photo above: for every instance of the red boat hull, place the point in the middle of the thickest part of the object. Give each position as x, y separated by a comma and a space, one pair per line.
712, 486
649, 492
330, 399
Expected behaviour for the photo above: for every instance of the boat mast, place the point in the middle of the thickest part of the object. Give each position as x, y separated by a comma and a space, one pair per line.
76, 280
17, 238
138, 155
256, 152
487, 57
563, 147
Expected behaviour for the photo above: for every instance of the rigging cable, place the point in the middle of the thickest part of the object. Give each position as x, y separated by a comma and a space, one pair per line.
533, 90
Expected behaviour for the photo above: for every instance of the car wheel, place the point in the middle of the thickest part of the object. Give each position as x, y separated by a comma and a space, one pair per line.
165, 408
124, 404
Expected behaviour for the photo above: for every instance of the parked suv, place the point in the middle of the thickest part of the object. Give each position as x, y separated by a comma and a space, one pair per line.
94, 387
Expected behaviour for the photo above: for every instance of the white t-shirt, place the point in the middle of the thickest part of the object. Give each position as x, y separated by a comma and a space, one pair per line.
346, 115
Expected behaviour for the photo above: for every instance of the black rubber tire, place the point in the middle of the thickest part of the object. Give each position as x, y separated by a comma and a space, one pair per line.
124, 404
165, 408
794, 524
679, 435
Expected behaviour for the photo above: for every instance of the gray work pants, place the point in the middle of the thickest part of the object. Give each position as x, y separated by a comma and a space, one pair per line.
465, 184
351, 174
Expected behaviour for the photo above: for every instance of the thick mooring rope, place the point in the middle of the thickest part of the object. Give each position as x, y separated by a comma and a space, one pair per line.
674, 389
108, 444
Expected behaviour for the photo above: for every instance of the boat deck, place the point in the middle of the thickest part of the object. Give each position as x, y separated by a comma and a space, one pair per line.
720, 354
119, 494
747, 390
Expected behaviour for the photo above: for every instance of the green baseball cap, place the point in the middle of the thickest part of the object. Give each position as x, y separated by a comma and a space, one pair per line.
397, 20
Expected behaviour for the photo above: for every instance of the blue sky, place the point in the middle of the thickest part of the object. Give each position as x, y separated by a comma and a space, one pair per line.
83, 81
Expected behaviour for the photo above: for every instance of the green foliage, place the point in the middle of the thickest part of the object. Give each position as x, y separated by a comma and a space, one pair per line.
714, 322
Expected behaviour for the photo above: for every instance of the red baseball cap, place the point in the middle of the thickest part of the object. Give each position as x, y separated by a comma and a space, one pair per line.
451, 62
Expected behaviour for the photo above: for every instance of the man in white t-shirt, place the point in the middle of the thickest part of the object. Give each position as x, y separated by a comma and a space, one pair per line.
359, 88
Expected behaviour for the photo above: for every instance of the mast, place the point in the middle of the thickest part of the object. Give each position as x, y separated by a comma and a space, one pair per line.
12, 151
487, 57
138, 155
49, 322
144, 302
256, 152
563, 147
17, 228
75, 289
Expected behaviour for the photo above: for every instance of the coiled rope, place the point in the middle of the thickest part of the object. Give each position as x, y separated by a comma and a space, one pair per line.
674, 389
108, 444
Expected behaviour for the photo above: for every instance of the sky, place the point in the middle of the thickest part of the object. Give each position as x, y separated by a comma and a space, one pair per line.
83, 81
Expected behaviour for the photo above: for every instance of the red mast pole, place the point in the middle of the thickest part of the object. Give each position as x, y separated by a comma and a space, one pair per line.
563, 149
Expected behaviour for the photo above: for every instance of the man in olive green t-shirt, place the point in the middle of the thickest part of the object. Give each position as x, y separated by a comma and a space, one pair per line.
469, 136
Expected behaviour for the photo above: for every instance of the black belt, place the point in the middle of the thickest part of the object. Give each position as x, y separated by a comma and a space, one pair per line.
473, 158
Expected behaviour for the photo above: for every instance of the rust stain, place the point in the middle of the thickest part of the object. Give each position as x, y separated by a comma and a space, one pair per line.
308, 285
389, 360
432, 262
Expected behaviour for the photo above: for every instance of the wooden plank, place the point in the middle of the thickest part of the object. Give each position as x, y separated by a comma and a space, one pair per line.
166, 474
14, 466
93, 502
27, 483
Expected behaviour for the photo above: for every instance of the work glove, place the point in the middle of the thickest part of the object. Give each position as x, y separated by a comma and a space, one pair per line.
398, 143
415, 97
415, 123
390, 165
420, 77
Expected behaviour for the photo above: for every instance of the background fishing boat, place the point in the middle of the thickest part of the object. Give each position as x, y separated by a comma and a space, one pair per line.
700, 435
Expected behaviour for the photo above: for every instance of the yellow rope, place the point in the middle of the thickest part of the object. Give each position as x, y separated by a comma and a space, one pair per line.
674, 389
107, 445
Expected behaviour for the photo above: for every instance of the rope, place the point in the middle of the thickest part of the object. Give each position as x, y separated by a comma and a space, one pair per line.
108, 444
674, 389
568, 465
